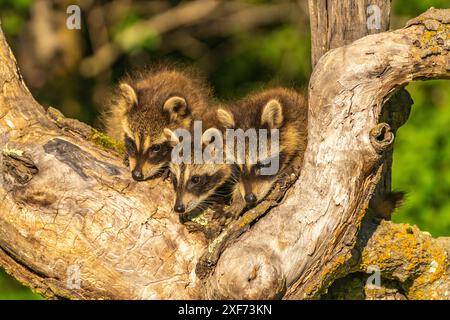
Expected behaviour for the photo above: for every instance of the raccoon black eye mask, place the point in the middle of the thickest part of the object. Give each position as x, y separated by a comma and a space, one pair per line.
142, 108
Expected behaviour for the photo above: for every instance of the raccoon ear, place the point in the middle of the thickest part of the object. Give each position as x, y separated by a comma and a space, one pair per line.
177, 108
226, 118
211, 135
272, 114
213, 142
171, 136
129, 95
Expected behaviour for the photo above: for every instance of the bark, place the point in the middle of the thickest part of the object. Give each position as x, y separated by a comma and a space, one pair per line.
411, 263
336, 23
69, 206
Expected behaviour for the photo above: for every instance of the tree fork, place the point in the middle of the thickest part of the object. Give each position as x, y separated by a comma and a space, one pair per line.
68, 201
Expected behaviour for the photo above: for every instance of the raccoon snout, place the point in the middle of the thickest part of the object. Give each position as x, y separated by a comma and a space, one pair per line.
137, 175
250, 198
179, 208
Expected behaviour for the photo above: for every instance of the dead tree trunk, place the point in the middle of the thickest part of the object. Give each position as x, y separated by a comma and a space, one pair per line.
70, 212
338, 23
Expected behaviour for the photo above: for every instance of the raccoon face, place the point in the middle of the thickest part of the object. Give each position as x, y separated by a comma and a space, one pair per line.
253, 183
256, 174
147, 149
196, 185
146, 160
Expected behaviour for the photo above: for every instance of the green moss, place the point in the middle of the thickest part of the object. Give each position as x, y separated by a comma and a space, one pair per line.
55, 114
12, 152
106, 142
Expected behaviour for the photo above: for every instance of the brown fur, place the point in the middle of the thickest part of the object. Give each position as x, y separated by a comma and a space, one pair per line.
383, 206
292, 122
214, 176
143, 116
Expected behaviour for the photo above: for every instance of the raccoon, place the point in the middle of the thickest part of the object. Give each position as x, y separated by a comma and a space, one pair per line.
144, 105
201, 185
281, 109
384, 205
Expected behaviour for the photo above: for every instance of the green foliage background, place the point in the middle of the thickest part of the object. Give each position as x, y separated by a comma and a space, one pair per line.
276, 54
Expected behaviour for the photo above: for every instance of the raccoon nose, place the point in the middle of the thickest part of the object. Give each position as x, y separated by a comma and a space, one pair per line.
179, 208
137, 175
250, 198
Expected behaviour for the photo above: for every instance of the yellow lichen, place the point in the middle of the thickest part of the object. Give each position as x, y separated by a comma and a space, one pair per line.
201, 220
406, 251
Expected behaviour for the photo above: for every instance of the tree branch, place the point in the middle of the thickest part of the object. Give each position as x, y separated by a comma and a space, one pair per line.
69, 204
303, 250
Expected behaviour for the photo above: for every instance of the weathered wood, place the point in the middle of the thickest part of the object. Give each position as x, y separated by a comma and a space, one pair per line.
304, 249
337, 23
81, 211
68, 203
410, 264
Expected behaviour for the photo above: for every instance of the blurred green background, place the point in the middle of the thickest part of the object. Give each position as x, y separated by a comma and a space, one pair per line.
240, 46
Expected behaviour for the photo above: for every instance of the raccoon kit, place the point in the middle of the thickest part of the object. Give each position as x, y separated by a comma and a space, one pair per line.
278, 120
199, 185
280, 109
143, 106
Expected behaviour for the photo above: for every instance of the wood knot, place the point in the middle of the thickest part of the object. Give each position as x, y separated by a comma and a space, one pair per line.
381, 137
248, 273
18, 167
